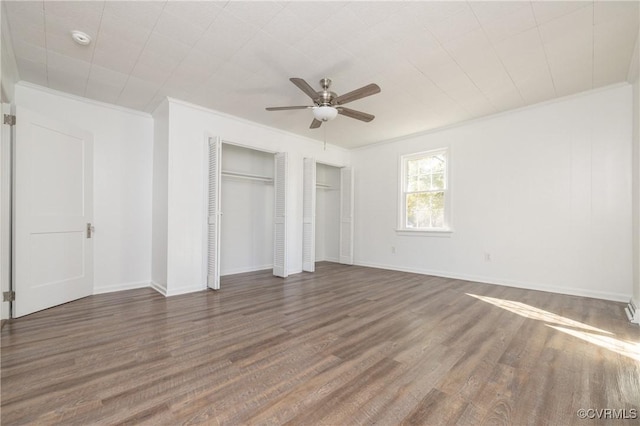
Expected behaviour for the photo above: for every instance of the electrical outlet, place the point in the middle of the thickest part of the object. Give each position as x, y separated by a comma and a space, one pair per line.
393, 249
487, 257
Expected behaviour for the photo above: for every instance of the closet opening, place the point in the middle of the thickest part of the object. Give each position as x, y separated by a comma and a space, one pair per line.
327, 229
327, 245
247, 203
246, 211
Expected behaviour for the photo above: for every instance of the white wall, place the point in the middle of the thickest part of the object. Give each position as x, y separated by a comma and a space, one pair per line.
634, 78
8, 66
545, 190
123, 143
160, 197
246, 228
189, 127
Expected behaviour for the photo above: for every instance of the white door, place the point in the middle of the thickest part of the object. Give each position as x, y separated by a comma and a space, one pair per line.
309, 216
215, 160
280, 216
53, 200
346, 215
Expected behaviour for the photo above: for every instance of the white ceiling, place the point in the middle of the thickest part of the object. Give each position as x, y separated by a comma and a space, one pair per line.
438, 63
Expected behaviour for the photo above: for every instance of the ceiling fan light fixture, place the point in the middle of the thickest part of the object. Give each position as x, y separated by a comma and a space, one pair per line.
325, 113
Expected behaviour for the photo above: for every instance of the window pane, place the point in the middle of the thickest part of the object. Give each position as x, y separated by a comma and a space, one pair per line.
424, 183
438, 163
425, 165
425, 210
412, 184
412, 167
437, 181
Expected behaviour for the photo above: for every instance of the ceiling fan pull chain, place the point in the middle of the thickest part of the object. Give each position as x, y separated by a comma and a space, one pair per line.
325, 138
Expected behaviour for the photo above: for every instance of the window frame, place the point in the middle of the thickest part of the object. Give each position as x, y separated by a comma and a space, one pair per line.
447, 229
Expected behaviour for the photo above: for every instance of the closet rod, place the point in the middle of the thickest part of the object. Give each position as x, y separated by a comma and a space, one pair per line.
246, 176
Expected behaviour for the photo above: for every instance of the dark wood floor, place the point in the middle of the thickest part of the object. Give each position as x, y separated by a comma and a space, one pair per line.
343, 346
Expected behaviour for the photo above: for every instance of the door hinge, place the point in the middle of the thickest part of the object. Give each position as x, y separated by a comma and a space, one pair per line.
9, 296
10, 119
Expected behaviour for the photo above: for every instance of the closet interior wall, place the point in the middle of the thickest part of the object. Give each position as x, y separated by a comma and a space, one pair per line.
247, 204
327, 213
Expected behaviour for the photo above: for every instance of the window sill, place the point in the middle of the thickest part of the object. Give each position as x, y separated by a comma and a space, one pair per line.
442, 233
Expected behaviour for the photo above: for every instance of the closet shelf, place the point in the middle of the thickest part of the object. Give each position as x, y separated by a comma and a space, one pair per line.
248, 176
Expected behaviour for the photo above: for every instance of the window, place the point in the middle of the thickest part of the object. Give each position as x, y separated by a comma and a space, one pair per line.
425, 192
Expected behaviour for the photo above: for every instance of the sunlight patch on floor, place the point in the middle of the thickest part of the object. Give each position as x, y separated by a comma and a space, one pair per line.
628, 349
532, 312
585, 332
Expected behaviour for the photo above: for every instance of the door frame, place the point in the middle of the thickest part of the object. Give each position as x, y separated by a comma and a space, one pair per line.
6, 214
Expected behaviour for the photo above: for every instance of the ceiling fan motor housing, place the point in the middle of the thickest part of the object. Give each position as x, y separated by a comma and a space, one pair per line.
325, 97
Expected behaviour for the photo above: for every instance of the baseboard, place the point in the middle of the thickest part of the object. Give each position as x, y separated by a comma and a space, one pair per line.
120, 287
246, 269
184, 290
632, 312
159, 288
176, 291
616, 297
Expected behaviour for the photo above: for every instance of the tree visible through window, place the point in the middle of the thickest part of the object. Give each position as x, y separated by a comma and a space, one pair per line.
425, 190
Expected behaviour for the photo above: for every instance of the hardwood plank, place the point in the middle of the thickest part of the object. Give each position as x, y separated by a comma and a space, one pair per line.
345, 345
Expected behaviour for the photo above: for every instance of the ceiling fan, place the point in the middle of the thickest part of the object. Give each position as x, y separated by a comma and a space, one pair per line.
327, 105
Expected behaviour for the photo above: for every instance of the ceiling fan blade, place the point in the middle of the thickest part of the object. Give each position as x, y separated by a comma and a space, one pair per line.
368, 90
315, 124
305, 87
358, 115
286, 108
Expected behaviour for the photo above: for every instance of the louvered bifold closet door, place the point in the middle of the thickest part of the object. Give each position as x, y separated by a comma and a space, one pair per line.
309, 216
346, 215
280, 216
213, 268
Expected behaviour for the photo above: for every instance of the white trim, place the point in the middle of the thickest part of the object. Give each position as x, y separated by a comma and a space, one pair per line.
336, 165
205, 207
617, 297
120, 287
5, 209
159, 288
246, 269
489, 117
176, 291
253, 123
442, 233
82, 99
247, 146
184, 290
